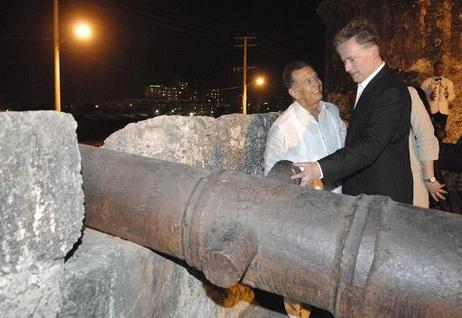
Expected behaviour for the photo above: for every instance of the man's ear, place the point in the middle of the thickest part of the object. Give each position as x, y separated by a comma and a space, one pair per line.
293, 93
375, 51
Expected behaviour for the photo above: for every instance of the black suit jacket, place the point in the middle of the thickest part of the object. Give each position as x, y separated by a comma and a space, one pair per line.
375, 159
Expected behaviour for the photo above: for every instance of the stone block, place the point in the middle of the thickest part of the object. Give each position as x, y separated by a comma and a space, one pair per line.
41, 208
242, 140
232, 142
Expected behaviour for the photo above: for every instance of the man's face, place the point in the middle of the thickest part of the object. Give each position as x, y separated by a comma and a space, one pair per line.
360, 60
439, 69
307, 87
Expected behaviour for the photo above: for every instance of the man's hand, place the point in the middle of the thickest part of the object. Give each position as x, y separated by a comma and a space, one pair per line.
310, 172
436, 190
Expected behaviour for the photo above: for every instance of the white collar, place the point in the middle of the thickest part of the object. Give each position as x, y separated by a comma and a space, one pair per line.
300, 110
364, 83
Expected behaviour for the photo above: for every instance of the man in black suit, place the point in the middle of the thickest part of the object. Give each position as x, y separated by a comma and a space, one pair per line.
375, 159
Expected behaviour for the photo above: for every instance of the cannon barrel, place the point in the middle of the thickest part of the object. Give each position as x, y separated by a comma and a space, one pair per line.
364, 256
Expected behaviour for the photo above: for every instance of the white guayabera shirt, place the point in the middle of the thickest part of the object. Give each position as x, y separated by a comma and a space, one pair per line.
297, 136
440, 86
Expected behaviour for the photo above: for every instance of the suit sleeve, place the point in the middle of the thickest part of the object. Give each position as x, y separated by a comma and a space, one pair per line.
388, 112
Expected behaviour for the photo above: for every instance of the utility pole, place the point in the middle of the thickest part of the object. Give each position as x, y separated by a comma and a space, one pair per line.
244, 45
56, 56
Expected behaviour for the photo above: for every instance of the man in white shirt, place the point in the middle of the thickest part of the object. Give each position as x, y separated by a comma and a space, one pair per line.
309, 128
440, 93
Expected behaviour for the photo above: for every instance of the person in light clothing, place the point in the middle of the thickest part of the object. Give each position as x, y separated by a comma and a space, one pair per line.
309, 128
440, 93
423, 151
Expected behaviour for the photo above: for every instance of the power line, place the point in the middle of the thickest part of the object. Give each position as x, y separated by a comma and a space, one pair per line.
22, 38
181, 22
166, 22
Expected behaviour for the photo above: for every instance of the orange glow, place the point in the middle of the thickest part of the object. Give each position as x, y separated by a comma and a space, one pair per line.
83, 31
260, 81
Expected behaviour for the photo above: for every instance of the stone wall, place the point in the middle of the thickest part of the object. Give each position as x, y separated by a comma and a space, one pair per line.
414, 33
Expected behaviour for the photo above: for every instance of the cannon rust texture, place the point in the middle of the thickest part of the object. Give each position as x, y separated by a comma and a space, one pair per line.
365, 256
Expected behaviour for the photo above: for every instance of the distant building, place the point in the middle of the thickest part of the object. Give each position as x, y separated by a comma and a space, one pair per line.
163, 92
160, 99
158, 91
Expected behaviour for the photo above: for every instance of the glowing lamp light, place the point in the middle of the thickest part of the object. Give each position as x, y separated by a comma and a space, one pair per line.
82, 31
260, 81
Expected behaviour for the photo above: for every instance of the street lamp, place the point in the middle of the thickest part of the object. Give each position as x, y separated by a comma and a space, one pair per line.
259, 81
82, 31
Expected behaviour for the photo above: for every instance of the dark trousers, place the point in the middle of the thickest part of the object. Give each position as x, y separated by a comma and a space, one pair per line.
440, 120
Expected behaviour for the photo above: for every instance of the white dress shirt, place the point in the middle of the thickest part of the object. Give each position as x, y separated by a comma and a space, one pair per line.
363, 84
297, 136
439, 85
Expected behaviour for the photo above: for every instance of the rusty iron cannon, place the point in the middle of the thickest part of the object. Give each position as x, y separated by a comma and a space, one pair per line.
365, 256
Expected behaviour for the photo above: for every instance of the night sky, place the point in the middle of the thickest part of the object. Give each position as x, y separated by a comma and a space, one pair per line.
138, 42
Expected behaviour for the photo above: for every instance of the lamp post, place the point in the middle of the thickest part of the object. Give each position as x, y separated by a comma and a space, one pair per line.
82, 31
244, 80
259, 81
56, 56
